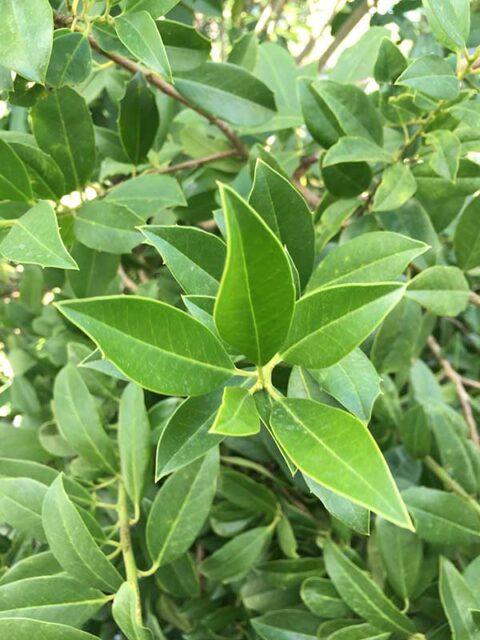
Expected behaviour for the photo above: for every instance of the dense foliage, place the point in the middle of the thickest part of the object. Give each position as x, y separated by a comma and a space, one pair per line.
240, 349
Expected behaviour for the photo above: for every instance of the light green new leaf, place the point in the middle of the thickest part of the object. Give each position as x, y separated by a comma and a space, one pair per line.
195, 257
363, 595
442, 290
148, 194
63, 128
35, 239
229, 92
458, 601
26, 629
286, 624
124, 611
237, 415
432, 76
78, 421
181, 508
14, 181
255, 302
71, 60
402, 557
158, 346
355, 149
449, 21
285, 211
140, 35
57, 598
320, 596
329, 323
398, 185
138, 119
321, 440
26, 35
442, 518
238, 556
72, 543
353, 382
379, 256
134, 442
21, 502
107, 226
466, 240
447, 148
186, 435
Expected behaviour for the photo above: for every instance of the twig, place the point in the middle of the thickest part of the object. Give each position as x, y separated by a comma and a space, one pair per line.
450, 483
348, 26
192, 164
128, 283
471, 383
474, 298
304, 165
463, 396
309, 47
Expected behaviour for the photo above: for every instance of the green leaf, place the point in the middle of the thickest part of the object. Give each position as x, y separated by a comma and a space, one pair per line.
26, 37
321, 598
71, 60
107, 226
415, 429
140, 35
44, 173
155, 8
237, 415
186, 435
180, 577
147, 195
397, 186
353, 382
402, 557
432, 76
319, 119
449, 21
466, 240
355, 149
255, 302
238, 556
390, 62
320, 440
134, 442
124, 611
242, 491
244, 51
25, 629
21, 502
371, 257
442, 518
331, 220
96, 271
285, 211
329, 323
14, 180
63, 128
364, 631
78, 421
72, 543
229, 92
159, 347
138, 119
56, 598
181, 508
287, 624
363, 595
445, 159
458, 601
441, 290
357, 62
195, 257
35, 239
186, 48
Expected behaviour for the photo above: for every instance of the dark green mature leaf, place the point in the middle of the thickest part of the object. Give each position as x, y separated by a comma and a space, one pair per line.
186, 47
458, 601
159, 347
466, 240
56, 598
255, 302
138, 119
125, 614
148, 194
329, 323
372, 257
63, 128
320, 596
72, 543
442, 290
363, 631
398, 185
431, 75
449, 21
237, 415
35, 239
107, 226
321, 439
14, 180
363, 595
355, 149
195, 257
134, 442
156, 8
140, 35
71, 59
39, 564
96, 271
285, 211
26, 37
244, 492
357, 62
287, 624
228, 91
181, 508
390, 62
78, 420
348, 179
25, 629
21, 502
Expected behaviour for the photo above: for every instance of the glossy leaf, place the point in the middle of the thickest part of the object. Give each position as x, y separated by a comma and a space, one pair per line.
355, 149
237, 415
138, 119
71, 59
458, 601
398, 185
147, 195
124, 611
185, 47
390, 62
466, 240
449, 21
244, 492
107, 226
26, 629
442, 290
321, 598
288, 624
140, 35
431, 75
445, 159
14, 180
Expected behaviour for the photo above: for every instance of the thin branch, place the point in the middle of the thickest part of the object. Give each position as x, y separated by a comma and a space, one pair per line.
462, 394
474, 298
128, 283
468, 382
348, 26
198, 162
449, 482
